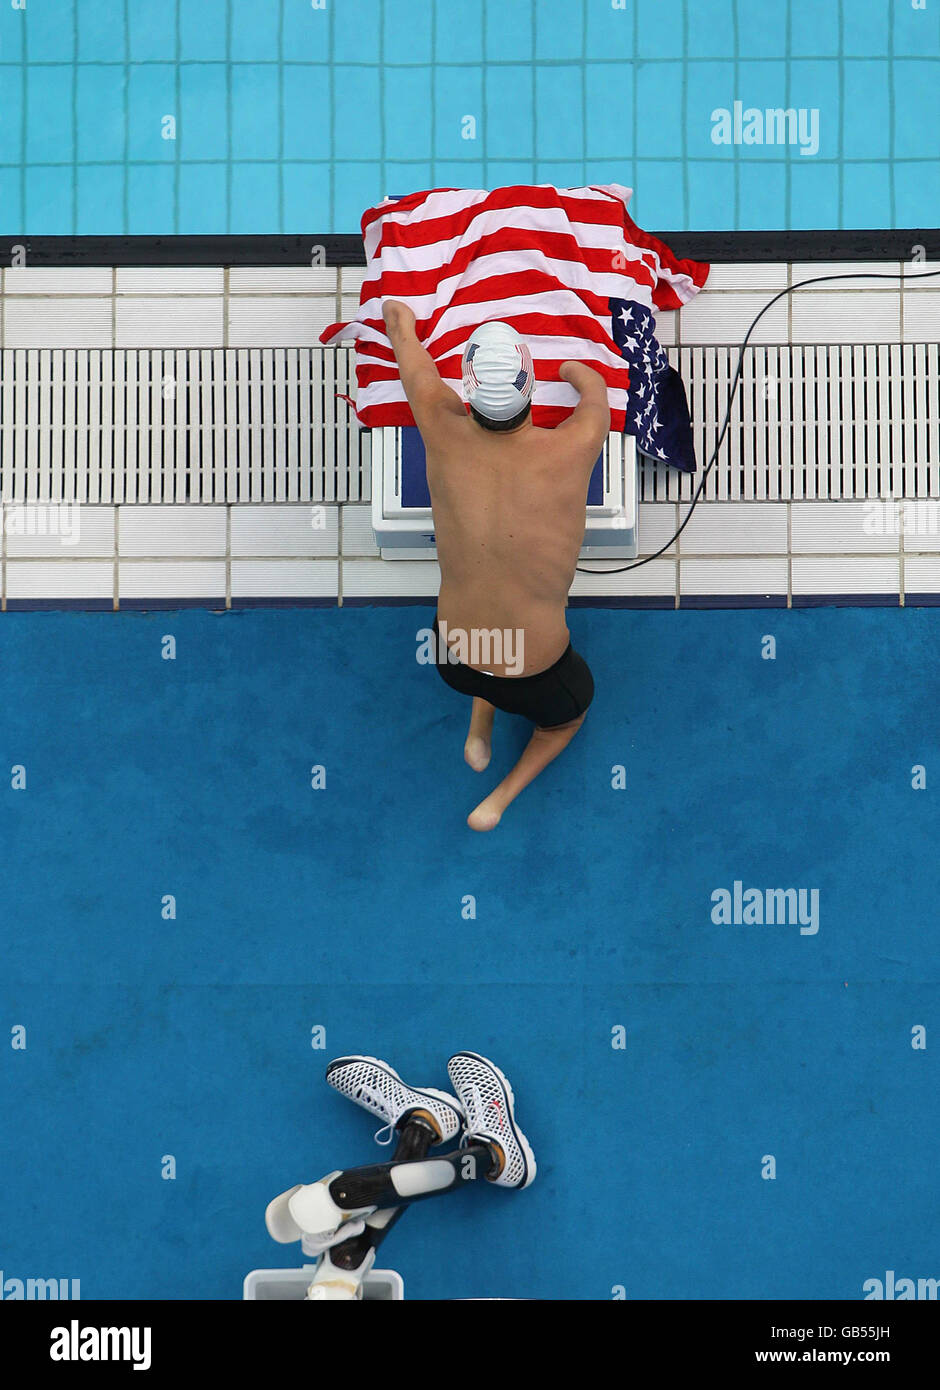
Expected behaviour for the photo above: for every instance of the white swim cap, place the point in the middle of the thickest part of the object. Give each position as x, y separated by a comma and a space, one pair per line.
498, 376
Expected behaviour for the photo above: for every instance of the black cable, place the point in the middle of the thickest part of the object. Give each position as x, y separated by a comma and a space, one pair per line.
862, 275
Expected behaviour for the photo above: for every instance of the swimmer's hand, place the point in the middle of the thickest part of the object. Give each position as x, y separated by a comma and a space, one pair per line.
582, 377
398, 317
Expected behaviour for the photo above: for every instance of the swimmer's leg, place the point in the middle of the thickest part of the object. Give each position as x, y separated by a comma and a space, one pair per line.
543, 748
476, 750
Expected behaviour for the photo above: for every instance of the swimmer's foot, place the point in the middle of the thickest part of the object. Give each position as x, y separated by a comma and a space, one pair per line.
476, 750
486, 816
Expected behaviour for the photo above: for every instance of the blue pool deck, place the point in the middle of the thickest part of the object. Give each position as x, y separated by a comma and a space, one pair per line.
345, 907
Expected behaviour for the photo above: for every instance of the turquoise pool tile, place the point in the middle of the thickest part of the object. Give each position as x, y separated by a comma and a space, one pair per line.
402, 178
510, 131
866, 111
356, 31
762, 196
815, 87
151, 95
253, 186
711, 195
917, 111
50, 31
709, 86
202, 199
306, 33
762, 31
463, 42
659, 202
48, 210
711, 28
202, 130
917, 32
48, 114
254, 31
503, 173
609, 32
306, 99
13, 34
814, 196
356, 112
11, 206
611, 171
307, 199
509, 36
559, 124
559, 173
151, 199
658, 115
867, 28
406, 32
100, 39
558, 28
814, 27
151, 31
866, 195
455, 173
11, 113
609, 110
406, 109
355, 188
99, 108
459, 93
761, 85
663, 37
203, 25
917, 194
255, 108
100, 199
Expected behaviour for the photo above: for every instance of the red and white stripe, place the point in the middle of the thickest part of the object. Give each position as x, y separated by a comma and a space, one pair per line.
543, 259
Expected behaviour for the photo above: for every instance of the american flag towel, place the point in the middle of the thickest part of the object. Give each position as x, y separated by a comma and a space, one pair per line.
567, 267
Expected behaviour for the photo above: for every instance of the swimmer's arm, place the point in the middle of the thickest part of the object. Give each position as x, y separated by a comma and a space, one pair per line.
591, 416
427, 394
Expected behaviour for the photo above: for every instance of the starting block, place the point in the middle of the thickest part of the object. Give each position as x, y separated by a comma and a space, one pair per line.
290, 1285
401, 503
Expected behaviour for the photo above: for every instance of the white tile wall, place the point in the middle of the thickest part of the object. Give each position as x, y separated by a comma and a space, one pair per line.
172, 530
75, 579
187, 321
838, 528
735, 576
846, 317
52, 280
726, 319
173, 279
288, 321
285, 579
284, 530
273, 551
92, 528
171, 579
728, 528
56, 322
872, 575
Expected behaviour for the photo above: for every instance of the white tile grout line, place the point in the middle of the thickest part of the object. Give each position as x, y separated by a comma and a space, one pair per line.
115, 599
228, 556
789, 553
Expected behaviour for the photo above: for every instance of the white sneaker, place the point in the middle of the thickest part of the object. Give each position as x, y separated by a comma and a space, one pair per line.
487, 1100
376, 1086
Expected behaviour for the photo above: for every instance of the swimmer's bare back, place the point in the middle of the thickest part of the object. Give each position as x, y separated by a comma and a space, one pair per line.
509, 506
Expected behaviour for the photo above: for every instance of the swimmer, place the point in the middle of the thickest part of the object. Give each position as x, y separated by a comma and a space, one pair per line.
509, 501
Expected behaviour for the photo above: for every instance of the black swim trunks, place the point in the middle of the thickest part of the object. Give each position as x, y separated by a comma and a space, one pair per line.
557, 695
